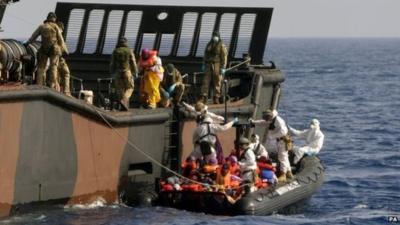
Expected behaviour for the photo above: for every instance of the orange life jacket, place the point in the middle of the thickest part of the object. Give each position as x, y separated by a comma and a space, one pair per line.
192, 187
223, 180
150, 61
234, 169
210, 168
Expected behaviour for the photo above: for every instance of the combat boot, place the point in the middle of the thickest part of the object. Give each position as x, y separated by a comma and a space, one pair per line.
289, 175
282, 178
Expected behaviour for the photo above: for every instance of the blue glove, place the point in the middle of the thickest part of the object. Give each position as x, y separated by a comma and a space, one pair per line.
171, 88
203, 67
165, 93
235, 120
222, 71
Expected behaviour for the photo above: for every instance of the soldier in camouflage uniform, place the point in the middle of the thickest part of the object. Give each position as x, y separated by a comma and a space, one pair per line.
63, 70
52, 47
122, 66
171, 86
215, 58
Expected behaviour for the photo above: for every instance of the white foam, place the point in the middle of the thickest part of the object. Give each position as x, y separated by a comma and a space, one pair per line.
361, 206
99, 202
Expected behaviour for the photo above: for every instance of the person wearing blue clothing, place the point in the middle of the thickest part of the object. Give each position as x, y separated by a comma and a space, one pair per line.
171, 86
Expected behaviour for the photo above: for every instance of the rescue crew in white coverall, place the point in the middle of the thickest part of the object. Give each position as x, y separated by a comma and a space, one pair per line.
314, 140
201, 109
258, 148
204, 138
248, 164
277, 132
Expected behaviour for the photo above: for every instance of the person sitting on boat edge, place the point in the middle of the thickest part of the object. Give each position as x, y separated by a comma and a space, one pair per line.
258, 147
314, 140
247, 163
171, 86
277, 132
204, 138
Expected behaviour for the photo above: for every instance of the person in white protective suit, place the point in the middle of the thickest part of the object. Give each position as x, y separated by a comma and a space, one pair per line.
204, 138
247, 162
258, 148
200, 109
314, 140
277, 132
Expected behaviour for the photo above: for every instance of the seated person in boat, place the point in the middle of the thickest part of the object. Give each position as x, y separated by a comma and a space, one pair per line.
234, 167
190, 168
247, 162
266, 170
171, 86
150, 66
258, 147
225, 180
314, 140
204, 138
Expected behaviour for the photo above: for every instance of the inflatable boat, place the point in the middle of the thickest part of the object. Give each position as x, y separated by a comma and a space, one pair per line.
285, 198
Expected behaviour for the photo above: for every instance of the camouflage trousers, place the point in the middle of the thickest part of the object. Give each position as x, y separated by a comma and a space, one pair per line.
64, 76
124, 86
212, 75
53, 55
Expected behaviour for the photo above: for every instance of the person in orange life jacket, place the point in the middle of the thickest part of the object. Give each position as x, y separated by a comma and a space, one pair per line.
247, 161
151, 67
267, 170
234, 167
201, 109
277, 132
204, 138
189, 168
258, 147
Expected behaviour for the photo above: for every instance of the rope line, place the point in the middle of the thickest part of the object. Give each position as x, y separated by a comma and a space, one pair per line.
135, 147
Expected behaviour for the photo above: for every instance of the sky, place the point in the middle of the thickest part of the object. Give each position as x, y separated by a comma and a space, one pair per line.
291, 18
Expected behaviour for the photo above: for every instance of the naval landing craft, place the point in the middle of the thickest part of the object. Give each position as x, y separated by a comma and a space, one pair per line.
59, 149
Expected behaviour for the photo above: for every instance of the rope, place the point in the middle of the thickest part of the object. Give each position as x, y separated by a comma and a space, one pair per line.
237, 65
154, 160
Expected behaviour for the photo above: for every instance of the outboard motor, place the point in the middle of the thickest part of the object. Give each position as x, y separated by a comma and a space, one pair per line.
18, 59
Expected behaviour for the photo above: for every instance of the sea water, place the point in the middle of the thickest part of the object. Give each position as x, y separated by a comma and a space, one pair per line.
353, 87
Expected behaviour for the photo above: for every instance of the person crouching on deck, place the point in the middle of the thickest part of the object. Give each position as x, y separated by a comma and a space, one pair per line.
204, 138
151, 67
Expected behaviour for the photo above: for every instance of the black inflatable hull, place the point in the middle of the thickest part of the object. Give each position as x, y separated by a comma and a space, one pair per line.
287, 198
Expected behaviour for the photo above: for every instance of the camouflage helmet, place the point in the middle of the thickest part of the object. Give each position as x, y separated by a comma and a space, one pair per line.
170, 67
216, 34
122, 42
51, 15
243, 141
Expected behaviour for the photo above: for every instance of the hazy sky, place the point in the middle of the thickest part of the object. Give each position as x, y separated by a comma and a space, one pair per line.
291, 18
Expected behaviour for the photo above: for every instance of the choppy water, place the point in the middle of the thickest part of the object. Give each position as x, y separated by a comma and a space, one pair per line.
353, 87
